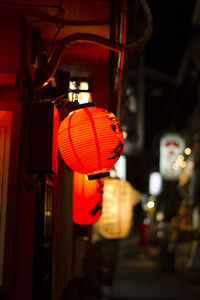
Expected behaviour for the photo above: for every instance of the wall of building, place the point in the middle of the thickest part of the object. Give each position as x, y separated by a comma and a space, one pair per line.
10, 35
16, 76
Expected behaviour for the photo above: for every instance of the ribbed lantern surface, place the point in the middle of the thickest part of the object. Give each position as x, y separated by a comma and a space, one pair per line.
87, 199
90, 140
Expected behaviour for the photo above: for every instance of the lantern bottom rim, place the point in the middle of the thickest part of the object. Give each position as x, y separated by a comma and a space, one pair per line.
98, 176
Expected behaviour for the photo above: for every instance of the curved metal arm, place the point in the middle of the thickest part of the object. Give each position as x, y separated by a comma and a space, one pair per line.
95, 39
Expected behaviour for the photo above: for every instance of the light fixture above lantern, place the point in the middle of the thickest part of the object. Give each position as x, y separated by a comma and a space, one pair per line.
79, 90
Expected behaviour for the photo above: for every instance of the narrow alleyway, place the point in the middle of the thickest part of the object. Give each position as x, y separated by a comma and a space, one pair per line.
139, 277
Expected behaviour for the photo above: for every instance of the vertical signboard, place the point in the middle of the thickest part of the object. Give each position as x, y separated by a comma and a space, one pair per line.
117, 211
171, 146
5, 140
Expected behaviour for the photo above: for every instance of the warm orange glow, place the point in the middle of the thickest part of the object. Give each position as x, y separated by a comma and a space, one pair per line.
47, 213
180, 157
188, 151
90, 140
183, 164
87, 199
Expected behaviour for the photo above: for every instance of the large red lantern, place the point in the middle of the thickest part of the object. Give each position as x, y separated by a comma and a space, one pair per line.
87, 199
90, 140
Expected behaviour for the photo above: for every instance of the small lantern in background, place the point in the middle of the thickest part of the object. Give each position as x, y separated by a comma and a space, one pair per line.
119, 197
87, 199
90, 140
172, 145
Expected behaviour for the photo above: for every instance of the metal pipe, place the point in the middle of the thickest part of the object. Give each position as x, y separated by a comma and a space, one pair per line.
95, 39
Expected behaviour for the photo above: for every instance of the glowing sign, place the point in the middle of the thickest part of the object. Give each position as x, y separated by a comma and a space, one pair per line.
171, 146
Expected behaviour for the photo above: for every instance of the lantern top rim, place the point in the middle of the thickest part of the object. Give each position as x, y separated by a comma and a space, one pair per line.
84, 105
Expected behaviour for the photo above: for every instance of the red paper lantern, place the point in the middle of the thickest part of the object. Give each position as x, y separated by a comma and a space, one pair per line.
87, 199
90, 140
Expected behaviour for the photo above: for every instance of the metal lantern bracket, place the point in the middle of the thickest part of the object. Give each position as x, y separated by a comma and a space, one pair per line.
134, 46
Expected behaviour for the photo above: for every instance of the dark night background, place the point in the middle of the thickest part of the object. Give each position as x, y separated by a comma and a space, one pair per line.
169, 102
